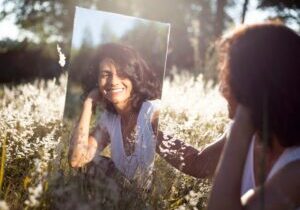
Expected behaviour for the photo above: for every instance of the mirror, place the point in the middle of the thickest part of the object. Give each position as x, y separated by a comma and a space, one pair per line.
113, 94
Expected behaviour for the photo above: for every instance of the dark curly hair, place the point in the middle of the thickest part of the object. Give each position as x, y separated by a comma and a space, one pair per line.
260, 66
130, 64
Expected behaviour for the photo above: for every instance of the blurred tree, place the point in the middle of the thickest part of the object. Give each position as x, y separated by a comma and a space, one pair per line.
153, 46
245, 7
18, 66
194, 23
80, 56
107, 34
219, 17
281, 4
286, 10
87, 40
51, 20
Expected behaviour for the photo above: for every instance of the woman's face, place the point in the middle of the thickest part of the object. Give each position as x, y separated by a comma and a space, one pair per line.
113, 86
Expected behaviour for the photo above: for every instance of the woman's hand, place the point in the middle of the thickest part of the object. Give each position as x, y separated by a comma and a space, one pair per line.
242, 119
229, 174
93, 97
83, 146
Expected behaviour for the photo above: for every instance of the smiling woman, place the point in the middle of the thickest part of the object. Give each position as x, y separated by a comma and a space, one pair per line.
115, 88
114, 66
122, 83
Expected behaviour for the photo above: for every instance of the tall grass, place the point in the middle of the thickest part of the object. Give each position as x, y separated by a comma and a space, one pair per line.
3, 159
37, 175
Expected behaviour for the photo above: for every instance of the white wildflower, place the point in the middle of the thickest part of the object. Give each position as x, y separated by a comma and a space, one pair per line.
34, 195
62, 57
3, 205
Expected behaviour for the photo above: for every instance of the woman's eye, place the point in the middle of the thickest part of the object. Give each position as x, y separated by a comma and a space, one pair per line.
104, 74
122, 75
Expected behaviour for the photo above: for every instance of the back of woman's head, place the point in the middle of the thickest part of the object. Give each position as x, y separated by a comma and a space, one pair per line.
130, 64
261, 66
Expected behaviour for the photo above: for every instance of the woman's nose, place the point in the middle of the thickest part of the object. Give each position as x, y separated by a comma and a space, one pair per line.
115, 79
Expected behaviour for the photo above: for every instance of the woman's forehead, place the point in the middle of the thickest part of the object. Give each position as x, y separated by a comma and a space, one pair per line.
107, 63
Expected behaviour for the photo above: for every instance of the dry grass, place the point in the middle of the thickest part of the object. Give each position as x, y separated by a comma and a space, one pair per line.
36, 172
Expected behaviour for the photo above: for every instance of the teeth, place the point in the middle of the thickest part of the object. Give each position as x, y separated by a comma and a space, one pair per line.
116, 90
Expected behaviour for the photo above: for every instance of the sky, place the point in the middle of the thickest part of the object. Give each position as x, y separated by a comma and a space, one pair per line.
87, 19
9, 30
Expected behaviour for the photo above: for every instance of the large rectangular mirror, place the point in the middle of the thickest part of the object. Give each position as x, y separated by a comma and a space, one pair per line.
113, 94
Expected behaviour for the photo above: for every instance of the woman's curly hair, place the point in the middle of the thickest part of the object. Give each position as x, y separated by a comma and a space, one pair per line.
130, 64
260, 66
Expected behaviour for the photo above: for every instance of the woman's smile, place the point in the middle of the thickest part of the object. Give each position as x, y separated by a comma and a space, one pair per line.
115, 88
114, 92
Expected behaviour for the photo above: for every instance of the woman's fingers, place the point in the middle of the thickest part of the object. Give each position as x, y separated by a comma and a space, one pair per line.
94, 95
242, 122
243, 114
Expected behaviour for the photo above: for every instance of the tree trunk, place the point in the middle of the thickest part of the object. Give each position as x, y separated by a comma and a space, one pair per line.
245, 7
219, 18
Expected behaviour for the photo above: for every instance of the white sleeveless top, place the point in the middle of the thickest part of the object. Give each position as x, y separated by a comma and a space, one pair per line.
248, 181
140, 163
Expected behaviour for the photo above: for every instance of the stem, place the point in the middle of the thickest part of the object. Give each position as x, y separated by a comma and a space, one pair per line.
3, 159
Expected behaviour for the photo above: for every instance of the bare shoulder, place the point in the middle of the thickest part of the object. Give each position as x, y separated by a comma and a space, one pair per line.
281, 191
154, 120
155, 116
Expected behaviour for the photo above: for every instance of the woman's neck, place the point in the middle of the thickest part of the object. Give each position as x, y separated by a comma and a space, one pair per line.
128, 116
126, 113
123, 109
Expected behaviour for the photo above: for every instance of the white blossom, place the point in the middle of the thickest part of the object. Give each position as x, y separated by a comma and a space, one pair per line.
3, 205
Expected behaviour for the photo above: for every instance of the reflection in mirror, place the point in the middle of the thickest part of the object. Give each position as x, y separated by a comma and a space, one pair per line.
113, 96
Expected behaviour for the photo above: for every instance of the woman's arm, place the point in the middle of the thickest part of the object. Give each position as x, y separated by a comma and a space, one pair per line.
197, 163
189, 160
279, 193
84, 146
227, 184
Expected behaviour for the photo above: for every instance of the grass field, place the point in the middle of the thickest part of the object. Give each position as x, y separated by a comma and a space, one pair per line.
34, 142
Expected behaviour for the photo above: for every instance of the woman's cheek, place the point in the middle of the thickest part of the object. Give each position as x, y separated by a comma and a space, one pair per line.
101, 85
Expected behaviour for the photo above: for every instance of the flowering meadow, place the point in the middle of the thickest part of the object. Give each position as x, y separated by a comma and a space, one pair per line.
34, 169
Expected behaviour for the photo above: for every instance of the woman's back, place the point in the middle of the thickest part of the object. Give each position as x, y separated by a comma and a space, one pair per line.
260, 66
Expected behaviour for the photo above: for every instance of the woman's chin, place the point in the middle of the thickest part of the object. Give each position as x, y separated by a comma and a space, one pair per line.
117, 101
113, 98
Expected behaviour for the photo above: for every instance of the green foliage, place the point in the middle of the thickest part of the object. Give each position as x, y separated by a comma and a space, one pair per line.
286, 10
194, 24
291, 4
24, 61
52, 21
153, 49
